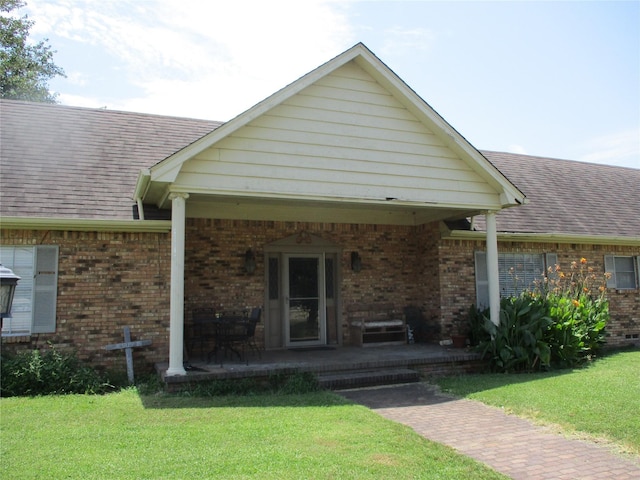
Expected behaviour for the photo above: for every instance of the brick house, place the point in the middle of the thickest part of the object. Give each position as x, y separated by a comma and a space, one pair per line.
344, 188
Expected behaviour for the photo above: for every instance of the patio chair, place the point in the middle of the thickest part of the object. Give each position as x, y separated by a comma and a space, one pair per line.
250, 339
202, 328
235, 334
423, 331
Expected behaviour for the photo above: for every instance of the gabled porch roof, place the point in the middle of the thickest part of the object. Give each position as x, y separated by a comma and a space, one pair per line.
348, 142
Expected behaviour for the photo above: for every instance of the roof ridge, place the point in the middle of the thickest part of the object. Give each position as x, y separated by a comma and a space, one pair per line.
107, 110
540, 157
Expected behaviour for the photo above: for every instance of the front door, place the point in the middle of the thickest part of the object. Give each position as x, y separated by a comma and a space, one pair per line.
304, 295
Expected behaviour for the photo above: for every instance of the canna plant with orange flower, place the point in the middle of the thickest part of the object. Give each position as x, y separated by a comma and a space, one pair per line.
577, 304
559, 323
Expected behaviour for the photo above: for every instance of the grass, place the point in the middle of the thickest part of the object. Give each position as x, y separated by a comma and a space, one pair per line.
129, 435
601, 400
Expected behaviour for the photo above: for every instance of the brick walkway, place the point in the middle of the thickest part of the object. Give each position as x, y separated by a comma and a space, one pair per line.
508, 444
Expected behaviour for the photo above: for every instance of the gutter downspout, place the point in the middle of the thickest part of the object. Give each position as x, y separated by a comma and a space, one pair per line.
142, 185
140, 208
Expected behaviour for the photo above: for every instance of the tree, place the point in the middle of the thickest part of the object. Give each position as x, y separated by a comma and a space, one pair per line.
25, 68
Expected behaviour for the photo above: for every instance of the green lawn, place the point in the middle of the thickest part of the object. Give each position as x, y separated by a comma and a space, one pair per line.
127, 435
601, 400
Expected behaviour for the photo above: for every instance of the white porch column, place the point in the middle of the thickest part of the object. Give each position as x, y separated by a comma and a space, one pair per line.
492, 268
176, 321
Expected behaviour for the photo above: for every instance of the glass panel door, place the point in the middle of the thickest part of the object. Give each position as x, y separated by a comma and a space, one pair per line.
304, 300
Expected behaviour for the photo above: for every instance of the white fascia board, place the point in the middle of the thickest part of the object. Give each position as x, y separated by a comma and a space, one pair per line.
296, 197
545, 238
168, 169
84, 224
142, 184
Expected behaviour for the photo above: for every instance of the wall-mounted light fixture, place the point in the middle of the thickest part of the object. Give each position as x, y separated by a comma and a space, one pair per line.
356, 262
8, 282
249, 262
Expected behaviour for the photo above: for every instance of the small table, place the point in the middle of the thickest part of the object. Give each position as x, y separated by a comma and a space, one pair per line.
228, 330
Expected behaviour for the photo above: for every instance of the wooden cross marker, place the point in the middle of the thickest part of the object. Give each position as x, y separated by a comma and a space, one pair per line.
128, 345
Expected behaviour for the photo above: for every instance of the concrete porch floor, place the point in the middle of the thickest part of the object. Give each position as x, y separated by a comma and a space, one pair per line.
427, 359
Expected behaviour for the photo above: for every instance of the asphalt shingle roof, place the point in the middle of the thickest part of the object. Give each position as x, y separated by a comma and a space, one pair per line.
68, 162
569, 197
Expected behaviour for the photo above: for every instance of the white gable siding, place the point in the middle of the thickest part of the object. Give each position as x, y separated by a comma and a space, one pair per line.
344, 137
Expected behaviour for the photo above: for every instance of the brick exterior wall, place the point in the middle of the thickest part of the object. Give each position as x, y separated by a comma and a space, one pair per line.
108, 280
214, 257
458, 282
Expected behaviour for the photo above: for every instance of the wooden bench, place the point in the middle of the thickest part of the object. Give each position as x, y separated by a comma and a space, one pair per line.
375, 325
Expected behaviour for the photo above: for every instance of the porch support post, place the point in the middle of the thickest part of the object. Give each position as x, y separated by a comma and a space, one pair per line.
176, 320
492, 268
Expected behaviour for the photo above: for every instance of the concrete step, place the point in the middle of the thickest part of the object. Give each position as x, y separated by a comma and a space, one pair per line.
367, 378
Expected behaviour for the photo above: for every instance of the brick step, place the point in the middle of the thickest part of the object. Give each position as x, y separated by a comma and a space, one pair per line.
367, 378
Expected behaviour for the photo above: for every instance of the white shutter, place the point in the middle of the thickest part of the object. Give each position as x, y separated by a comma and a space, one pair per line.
46, 289
20, 260
551, 260
609, 267
482, 280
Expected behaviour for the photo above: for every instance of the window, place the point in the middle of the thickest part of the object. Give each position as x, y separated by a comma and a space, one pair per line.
34, 303
623, 270
517, 272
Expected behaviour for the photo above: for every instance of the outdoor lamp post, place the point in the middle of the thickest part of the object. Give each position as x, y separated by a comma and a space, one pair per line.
8, 282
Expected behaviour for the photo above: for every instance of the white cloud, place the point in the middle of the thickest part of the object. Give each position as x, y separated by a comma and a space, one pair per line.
80, 101
519, 149
197, 57
620, 148
77, 78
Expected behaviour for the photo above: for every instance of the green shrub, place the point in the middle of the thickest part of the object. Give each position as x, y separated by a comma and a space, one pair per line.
224, 387
47, 373
300, 383
477, 331
282, 384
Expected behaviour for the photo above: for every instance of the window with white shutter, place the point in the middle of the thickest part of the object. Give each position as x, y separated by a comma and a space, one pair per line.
482, 281
624, 271
34, 303
551, 260
46, 289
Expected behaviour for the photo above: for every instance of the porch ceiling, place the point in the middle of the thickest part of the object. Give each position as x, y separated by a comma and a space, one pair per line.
389, 212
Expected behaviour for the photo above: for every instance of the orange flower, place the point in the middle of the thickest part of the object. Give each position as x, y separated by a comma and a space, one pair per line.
585, 289
576, 303
583, 260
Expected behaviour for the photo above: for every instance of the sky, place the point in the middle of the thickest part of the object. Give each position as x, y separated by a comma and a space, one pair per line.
554, 79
